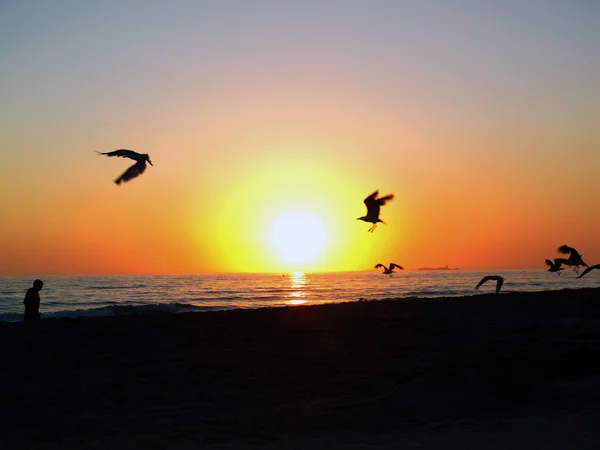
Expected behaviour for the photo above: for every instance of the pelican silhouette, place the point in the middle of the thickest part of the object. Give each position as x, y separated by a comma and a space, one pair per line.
389, 271
373, 207
574, 257
499, 282
589, 269
137, 169
555, 266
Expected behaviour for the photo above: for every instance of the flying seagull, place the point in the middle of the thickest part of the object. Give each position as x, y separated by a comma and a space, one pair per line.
555, 266
389, 271
137, 169
373, 207
589, 269
574, 257
499, 282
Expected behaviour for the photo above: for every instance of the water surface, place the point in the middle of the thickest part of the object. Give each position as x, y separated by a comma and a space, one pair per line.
72, 296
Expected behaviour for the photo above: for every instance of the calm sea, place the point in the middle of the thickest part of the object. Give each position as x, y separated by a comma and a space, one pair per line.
73, 296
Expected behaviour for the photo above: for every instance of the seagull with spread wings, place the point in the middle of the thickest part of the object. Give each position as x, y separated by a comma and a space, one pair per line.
389, 271
575, 258
134, 171
499, 282
554, 266
373, 205
589, 269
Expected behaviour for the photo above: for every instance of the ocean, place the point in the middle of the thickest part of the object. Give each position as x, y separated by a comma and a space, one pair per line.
78, 296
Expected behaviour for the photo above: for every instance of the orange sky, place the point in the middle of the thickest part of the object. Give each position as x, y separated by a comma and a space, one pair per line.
491, 146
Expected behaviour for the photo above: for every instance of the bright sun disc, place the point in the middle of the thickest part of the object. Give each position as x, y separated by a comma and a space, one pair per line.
297, 236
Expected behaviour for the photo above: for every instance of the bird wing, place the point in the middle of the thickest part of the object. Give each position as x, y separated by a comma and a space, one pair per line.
134, 171
589, 269
382, 200
585, 271
566, 250
377, 266
549, 263
371, 198
124, 153
392, 265
484, 279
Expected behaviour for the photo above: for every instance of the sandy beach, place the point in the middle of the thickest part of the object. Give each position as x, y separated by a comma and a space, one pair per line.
508, 371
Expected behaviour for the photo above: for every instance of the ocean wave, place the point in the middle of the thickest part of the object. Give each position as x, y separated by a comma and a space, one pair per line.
103, 288
434, 293
118, 310
11, 317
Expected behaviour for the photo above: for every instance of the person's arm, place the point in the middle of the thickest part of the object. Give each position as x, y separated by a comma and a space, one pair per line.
28, 298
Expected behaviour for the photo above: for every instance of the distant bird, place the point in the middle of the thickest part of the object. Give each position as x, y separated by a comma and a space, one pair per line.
373, 207
574, 257
589, 269
499, 282
137, 169
389, 271
555, 266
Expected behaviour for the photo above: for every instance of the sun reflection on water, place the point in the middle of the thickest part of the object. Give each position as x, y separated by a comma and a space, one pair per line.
298, 284
296, 302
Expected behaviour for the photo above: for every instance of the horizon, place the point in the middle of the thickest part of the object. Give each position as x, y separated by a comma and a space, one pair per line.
279, 274
268, 125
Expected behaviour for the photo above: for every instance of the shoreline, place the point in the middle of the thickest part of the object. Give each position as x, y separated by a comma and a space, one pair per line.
473, 371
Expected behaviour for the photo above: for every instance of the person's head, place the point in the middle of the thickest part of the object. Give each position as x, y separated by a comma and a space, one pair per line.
38, 284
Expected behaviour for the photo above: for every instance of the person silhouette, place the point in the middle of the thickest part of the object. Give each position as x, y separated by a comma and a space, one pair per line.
32, 302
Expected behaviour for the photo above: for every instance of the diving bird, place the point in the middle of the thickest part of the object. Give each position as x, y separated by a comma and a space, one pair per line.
574, 257
589, 269
499, 282
137, 169
389, 271
555, 265
373, 207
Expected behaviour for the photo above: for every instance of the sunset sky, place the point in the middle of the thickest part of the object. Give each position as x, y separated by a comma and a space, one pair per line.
269, 122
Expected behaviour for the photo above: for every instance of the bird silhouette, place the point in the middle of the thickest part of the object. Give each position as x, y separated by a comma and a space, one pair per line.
389, 271
373, 208
589, 269
555, 265
574, 257
499, 282
134, 171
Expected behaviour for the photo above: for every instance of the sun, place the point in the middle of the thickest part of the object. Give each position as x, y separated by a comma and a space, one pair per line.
297, 236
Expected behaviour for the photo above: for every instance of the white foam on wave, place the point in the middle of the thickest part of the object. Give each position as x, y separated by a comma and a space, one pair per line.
116, 310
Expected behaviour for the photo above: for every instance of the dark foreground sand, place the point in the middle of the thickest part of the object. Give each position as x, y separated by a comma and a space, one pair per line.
508, 371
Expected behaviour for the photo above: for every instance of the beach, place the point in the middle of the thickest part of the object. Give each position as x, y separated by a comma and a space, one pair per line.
516, 370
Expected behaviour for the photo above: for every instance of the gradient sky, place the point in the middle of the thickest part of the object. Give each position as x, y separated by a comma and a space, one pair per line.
483, 117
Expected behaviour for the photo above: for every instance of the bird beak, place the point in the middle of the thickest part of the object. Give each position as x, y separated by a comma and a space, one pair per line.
150, 162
